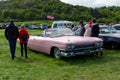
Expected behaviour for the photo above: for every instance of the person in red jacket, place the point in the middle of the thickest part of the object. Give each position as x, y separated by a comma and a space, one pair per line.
23, 38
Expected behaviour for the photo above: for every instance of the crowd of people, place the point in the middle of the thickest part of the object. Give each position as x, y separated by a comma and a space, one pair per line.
90, 29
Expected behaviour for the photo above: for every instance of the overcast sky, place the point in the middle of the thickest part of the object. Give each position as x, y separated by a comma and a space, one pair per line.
93, 3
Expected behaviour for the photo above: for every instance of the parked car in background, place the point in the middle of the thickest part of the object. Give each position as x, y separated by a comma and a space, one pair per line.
62, 24
27, 26
3, 26
61, 42
110, 36
117, 27
34, 27
43, 26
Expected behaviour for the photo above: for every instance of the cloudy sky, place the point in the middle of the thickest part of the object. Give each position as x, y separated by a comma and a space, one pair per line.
93, 3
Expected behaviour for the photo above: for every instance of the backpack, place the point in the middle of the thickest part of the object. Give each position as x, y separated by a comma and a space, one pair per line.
24, 37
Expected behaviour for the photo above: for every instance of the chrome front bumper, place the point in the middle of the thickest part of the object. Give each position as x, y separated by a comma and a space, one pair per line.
85, 52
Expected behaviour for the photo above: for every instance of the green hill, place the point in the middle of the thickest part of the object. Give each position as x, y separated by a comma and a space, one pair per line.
27, 10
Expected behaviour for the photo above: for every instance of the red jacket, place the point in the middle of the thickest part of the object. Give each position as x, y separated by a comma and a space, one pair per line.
21, 31
90, 23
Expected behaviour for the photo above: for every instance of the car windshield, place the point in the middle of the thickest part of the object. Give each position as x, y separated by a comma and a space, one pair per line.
117, 26
62, 24
105, 30
57, 32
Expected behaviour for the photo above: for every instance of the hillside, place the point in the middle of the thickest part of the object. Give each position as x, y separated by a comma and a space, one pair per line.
27, 10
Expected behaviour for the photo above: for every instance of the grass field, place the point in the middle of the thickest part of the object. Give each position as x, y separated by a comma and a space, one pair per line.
43, 67
48, 22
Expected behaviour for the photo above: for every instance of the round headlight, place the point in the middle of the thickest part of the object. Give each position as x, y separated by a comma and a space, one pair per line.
99, 44
70, 46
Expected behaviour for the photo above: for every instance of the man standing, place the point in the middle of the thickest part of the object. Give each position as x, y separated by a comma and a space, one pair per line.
80, 29
11, 34
95, 29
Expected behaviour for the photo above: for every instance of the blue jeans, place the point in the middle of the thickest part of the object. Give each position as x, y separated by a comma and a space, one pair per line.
12, 44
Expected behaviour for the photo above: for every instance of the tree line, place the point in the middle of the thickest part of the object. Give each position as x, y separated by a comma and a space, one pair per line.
28, 10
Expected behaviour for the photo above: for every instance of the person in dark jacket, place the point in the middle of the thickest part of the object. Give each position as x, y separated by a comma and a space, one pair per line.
11, 34
95, 29
23, 37
82, 31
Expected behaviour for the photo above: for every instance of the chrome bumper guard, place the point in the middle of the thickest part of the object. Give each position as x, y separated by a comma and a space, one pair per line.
86, 52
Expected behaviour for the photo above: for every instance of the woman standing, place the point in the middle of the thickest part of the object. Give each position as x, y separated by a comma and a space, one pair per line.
87, 30
23, 37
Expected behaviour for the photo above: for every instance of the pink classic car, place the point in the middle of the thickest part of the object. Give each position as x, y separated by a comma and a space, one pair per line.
61, 42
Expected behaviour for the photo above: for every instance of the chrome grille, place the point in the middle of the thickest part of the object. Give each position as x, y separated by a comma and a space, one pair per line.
84, 47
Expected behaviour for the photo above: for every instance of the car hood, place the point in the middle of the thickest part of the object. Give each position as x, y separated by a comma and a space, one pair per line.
111, 35
76, 40
69, 39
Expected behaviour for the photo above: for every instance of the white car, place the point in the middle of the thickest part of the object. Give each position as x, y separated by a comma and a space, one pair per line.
61, 24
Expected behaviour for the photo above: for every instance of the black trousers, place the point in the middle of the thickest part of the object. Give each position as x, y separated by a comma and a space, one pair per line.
24, 48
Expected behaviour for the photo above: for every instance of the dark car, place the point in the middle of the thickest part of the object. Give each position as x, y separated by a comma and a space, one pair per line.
111, 38
117, 26
43, 26
27, 26
34, 27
